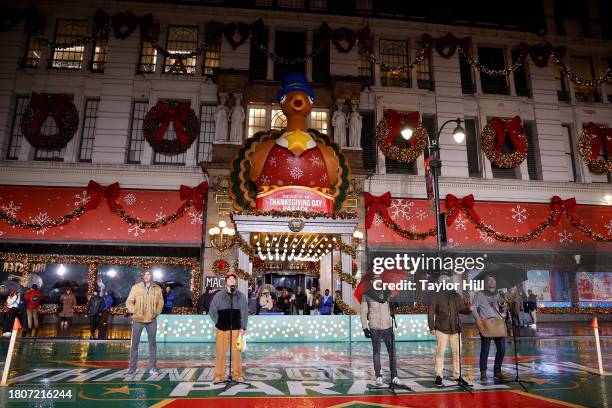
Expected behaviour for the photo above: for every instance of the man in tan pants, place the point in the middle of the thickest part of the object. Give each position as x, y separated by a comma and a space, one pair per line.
229, 311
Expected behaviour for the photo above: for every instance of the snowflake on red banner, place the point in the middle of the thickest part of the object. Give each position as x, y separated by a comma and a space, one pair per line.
81, 199
421, 215
460, 223
565, 237
412, 228
452, 243
196, 217
136, 231
41, 218
486, 238
129, 199
296, 173
272, 161
11, 208
316, 161
400, 209
160, 216
519, 214
265, 180
609, 227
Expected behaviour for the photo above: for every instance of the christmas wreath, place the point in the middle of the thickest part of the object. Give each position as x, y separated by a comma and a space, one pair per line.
220, 267
63, 112
388, 129
494, 136
589, 145
157, 120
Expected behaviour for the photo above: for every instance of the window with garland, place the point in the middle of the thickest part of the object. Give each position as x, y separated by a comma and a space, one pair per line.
65, 32
180, 40
394, 52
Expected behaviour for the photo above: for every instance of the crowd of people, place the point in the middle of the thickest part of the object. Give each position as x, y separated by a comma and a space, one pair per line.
285, 301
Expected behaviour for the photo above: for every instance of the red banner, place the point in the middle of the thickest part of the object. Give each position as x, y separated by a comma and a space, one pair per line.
295, 198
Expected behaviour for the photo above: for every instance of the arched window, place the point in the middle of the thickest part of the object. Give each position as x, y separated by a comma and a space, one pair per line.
181, 40
394, 52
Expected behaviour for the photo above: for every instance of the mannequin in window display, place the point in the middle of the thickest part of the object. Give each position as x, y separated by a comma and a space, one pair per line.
296, 157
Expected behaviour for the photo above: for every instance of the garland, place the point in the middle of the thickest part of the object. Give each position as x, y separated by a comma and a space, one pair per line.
157, 120
220, 267
92, 272
346, 309
589, 145
493, 138
388, 130
95, 192
343, 215
63, 112
243, 275
345, 277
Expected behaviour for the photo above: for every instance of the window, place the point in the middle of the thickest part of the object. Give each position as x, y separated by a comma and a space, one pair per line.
32, 54
467, 78
583, 66
533, 163
176, 159
279, 120
319, 120
471, 143
493, 58
366, 69
258, 62
181, 40
16, 138
562, 89
570, 159
394, 52
49, 127
606, 63
320, 63
136, 137
368, 141
65, 32
207, 132
212, 56
394, 167
257, 121
425, 73
521, 83
289, 44
89, 130
99, 54
148, 53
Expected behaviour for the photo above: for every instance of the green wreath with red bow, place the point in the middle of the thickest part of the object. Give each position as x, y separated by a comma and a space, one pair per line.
494, 136
389, 128
63, 112
185, 122
589, 145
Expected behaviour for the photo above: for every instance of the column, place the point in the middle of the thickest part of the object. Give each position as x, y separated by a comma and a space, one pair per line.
325, 273
244, 264
347, 266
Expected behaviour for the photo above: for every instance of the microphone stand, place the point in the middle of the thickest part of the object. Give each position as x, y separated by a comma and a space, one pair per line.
517, 379
230, 380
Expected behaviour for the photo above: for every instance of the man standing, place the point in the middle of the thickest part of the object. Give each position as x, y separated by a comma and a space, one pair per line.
489, 303
377, 323
300, 301
327, 303
229, 311
145, 303
33, 298
95, 306
443, 318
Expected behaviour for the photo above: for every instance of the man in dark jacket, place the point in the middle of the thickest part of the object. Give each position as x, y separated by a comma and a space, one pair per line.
300, 301
229, 311
443, 319
95, 307
203, 303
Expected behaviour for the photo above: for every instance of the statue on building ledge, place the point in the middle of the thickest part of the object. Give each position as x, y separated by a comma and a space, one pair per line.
294, 169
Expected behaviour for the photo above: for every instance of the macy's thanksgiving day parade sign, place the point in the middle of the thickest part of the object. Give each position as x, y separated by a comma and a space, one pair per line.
296, 169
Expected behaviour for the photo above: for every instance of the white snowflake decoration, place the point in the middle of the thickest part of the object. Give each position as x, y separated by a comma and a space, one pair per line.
486, 238
159, 216
324, 178
81, 199
272, 161
11, 208
452, 243
265, 180
136, 230
1, 233
460, 223
41, 218
412, 228
316, 161
400, 209
129, 199
196, 217
566, 237
609, 227
519, 214
296, 173
421, 215
377, 221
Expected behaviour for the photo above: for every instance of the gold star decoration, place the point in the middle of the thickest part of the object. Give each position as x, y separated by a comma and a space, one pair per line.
117, 390
298, 141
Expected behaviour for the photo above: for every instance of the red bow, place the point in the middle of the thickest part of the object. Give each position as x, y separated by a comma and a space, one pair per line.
599, 135
396, 120
97, 191
164, 114
466, 203
44, 105
373, 203
513, 128
195, 194
559, 205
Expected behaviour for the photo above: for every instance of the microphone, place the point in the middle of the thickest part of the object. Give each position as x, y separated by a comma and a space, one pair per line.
232, 288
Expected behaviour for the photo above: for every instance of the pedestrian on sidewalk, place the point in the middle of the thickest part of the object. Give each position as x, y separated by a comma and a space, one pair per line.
67, 302
144, 303
33, 298
95, 306
11, 312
